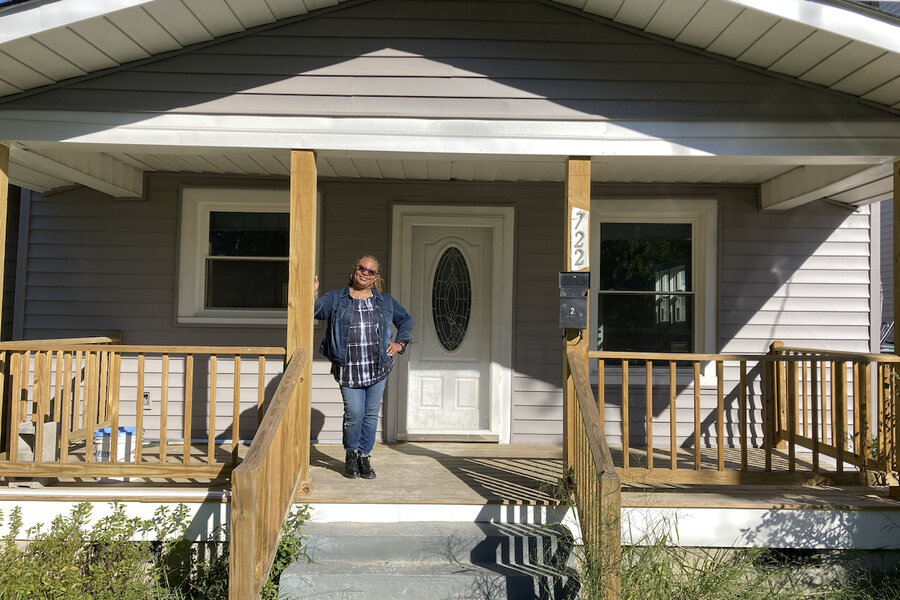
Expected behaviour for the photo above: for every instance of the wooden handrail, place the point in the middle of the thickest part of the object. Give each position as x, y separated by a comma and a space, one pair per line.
597, 486
264, 485
81, 346
55, 344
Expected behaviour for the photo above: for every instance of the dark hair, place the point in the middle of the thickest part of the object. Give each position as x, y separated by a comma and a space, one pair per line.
377, 284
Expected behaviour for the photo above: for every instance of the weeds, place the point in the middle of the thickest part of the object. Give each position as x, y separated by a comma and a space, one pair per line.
73, 559
657, 569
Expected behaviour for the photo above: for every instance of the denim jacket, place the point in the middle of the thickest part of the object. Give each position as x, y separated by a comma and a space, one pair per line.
336, 307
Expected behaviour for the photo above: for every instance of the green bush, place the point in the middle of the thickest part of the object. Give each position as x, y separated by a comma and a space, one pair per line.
73, 559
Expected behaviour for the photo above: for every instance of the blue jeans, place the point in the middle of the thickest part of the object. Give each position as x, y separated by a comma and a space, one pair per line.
361, 406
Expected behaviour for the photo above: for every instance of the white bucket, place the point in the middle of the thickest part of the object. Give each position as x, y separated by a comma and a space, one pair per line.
124, 446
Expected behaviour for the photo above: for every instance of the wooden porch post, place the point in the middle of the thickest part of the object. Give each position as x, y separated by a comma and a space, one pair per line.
302, 263
578, 196
4, 209
895, 490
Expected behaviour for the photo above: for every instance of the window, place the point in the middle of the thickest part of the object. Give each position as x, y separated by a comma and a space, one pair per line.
653, 286
233, 256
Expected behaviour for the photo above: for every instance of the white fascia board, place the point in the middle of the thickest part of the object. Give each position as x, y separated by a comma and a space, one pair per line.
830, 18
23, 23
876, 140
810, 183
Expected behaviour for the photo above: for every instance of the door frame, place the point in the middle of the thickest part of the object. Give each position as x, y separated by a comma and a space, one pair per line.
501, 220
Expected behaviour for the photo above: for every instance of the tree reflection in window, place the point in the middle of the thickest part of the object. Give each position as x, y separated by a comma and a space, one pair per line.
451, 299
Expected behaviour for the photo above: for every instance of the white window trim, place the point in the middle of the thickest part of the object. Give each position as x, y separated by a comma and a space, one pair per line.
703, 217
196, 204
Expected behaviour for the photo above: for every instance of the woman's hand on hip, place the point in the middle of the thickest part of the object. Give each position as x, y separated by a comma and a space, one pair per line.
393, 348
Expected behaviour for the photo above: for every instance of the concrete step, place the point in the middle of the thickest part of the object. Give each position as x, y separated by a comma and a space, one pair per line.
433, 561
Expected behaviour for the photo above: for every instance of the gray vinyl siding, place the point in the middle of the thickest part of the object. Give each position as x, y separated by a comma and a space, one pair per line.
95, 264
507, 59
800, 276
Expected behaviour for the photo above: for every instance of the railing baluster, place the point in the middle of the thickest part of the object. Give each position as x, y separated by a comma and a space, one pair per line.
601, 393
814, 410
625, 432
826, 400
102, 397
792, 414
260, 390
865, 392
649, 390
188, 408
696, 415
41, 395
79, 418
65, 408
720, 414
803, 398
14, 406
742, 408
840, 406
115, 366
164, 410
139, 410
90, 405
57, 409
236, 411
673, 417
22, 393
770, 409
211, 433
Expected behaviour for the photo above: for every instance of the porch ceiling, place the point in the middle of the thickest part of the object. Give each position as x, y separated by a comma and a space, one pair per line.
119, 171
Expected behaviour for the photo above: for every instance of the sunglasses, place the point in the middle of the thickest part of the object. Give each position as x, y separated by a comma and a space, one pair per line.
366, 271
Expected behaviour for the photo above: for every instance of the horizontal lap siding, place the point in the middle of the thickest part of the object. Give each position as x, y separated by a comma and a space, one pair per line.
800, 276
449, 59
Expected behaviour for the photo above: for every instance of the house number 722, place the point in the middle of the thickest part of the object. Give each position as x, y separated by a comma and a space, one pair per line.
578, 236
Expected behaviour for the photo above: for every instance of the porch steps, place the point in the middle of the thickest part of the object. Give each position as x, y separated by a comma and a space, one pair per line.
432, 561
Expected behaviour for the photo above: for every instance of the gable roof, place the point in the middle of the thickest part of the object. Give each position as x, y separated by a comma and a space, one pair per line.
833, 45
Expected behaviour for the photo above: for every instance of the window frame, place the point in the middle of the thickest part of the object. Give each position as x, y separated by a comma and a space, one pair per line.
196, 205
702, 214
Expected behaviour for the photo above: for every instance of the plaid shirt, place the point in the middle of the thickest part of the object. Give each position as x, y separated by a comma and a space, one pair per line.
362, 369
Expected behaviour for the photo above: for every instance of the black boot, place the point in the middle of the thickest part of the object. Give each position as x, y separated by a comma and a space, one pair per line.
365, 468
351, 465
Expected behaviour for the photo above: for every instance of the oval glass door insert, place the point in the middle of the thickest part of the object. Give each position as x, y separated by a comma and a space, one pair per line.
451, 299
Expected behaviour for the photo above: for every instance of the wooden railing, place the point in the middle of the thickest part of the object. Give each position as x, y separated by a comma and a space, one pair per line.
67, 389
264, 485
596, 486
790, 416
838, 405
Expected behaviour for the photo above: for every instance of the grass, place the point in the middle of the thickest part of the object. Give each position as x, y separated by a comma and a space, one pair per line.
660, 570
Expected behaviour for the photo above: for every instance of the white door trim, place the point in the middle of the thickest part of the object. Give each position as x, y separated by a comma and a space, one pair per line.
502, 221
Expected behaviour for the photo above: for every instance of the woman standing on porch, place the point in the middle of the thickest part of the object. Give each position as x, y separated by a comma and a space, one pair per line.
362, 321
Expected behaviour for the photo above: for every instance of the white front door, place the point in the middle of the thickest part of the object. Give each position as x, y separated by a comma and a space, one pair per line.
451, 385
